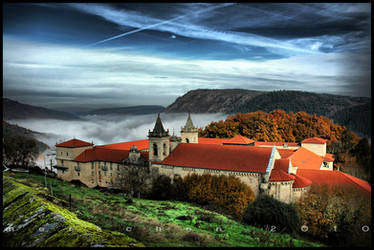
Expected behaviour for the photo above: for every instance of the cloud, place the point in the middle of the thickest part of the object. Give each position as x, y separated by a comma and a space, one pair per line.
111, 128
44, 74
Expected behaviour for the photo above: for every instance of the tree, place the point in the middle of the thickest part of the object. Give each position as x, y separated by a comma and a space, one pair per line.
19, 151
134, 180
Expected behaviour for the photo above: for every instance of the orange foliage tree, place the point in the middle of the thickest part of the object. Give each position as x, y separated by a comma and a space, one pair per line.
227, 192
336, 214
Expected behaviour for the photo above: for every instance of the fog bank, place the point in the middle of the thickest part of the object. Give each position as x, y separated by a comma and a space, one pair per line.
106, 129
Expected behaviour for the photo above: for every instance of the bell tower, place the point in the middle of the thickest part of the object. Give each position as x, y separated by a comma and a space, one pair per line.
158, 142
189, 133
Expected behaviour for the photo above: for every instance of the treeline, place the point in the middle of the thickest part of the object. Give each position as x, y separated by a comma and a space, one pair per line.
352, 153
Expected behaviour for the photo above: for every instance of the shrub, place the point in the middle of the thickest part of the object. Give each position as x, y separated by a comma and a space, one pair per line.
226, 192
266, 211
336, 215
161, 188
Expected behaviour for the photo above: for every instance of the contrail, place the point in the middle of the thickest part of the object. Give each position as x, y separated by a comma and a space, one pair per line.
160, 23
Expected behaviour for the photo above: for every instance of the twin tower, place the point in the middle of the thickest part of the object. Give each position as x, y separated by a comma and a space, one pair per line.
161, 144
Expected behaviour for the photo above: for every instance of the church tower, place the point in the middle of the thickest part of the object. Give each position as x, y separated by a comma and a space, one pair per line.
189, 133
158, 142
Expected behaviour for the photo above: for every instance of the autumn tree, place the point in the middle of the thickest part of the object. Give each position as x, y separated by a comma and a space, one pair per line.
226, 192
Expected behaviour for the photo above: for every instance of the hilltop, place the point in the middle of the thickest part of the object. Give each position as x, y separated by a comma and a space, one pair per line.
353, 112
14, 110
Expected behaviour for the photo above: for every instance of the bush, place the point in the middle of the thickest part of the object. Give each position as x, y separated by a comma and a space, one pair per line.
226, 192
266, 211
336, 215
161, 188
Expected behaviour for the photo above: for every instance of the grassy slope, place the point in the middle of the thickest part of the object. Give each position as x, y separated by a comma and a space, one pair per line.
140, 219
33, 221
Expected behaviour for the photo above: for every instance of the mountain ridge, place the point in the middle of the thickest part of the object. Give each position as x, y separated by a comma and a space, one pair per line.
232, 101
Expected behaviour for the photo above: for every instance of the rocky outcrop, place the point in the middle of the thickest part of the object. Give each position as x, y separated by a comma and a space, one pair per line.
30, 220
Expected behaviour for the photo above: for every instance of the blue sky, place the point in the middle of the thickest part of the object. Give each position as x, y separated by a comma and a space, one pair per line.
69, 55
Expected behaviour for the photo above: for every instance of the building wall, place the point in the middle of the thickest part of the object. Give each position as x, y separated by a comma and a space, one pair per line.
63, 153
297, 193
327, 165
281, 190
162, 148
191, 136
319, 149
251, 179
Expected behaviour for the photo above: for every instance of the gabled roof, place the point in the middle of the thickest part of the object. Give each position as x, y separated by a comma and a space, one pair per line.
332, 178
216, 141
140, 144
285, 153
282, 164
315, 140
306, 159
102, 154
280, 171
328, 157
238, 140
266, 143
301, 181
74, 143
210, 156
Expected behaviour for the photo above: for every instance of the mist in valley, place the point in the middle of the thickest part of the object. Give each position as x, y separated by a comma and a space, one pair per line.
107, 129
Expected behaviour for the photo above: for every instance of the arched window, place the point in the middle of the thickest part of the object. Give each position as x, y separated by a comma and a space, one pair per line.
187, 140
164, 151
155, 152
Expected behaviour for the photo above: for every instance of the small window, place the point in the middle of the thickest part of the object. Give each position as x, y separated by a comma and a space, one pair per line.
155, 152
105, 173
99, 172
187, 140
164, 152
67, 153
93, 173
118, 167
78, 174
92, 165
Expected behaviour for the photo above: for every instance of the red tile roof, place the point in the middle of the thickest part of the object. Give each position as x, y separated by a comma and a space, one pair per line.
238, 140
301, 181
282, 164
74, 143
216, 141
305, 159
328, 157
266, 143
140, 144
102, 154
234, 158
280, 175
285, 153
332, 178
316, 140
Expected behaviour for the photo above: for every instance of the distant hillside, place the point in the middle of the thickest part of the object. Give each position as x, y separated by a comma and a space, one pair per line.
13, 130
231, 101
132, 110
13, 110
211, 100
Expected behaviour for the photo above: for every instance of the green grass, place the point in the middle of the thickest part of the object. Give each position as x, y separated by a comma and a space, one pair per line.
140, 219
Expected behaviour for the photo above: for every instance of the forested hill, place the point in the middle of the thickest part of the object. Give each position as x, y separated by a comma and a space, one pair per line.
353, 112
13, 110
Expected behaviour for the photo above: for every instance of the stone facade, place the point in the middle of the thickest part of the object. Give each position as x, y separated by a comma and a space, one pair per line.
319, 149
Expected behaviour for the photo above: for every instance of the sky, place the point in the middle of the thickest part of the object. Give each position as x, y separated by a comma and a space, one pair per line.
71, 56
